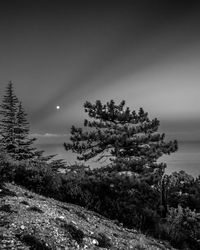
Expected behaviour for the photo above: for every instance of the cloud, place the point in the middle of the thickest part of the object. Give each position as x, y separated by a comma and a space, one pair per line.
48, 135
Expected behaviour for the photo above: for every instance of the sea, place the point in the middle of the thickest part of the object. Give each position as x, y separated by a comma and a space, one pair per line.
187, 157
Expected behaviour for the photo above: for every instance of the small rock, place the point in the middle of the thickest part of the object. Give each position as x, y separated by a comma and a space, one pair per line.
22, 227
62, 217
95, 242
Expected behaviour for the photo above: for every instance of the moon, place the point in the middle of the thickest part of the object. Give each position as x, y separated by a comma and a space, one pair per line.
58, 107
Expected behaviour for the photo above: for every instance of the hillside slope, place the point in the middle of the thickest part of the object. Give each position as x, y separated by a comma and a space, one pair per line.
31, 221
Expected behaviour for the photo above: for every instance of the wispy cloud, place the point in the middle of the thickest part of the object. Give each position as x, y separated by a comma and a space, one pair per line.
48, 135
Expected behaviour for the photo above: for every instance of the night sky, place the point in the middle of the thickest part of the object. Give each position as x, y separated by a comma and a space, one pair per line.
145, 52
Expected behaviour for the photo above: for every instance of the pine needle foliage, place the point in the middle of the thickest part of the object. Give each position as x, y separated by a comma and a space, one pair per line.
22, 136
116, 133
15, 137
8, 122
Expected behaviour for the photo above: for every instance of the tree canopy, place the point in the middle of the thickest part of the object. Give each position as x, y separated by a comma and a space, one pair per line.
116, 133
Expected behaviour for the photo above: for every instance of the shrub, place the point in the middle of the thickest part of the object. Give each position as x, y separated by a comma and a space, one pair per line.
103, 240
33, 241
7, 167
35, 209
181, 228
39, 178
75, 233
6, 208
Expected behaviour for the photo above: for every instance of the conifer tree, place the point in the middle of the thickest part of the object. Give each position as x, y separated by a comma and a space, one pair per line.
22, 136
14, 127
15, 137
8, 121
128, 138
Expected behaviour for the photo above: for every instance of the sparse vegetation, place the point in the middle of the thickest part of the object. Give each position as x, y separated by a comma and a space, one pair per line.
75, 233
59, 228
32, 241
6, 208
25, 203
35, 209
103, 240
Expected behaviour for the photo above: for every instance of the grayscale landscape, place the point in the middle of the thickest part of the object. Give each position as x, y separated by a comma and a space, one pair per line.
99, 125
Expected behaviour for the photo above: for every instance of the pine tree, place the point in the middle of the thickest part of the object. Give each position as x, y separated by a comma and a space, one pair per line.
128, 138
8, 121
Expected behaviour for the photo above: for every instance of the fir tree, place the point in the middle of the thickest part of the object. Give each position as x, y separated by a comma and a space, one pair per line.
8, 122
128, 138
14, 129
22, 136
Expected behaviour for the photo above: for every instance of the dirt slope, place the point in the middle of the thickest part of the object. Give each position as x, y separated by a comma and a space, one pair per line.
31, 221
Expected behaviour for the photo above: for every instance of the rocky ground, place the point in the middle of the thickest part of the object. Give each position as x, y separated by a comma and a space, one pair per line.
31, 221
